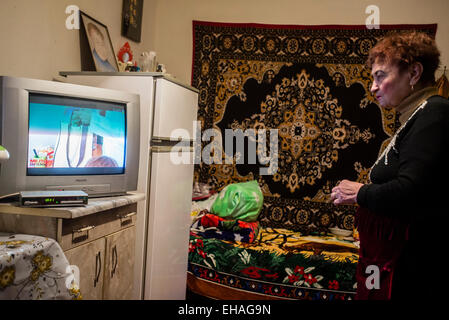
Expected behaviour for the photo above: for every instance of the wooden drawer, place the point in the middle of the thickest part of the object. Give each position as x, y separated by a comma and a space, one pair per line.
78, 231
35, 225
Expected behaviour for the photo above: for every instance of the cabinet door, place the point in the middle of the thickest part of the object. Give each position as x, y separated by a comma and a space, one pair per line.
89, 258
119, 267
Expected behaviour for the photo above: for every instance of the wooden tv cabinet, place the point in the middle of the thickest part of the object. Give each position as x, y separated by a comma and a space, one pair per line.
99, 239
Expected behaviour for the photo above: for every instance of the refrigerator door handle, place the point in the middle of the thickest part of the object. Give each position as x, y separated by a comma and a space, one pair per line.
162, 140
159, 149
157, 142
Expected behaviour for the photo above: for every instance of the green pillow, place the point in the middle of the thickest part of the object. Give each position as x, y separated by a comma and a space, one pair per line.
241, 201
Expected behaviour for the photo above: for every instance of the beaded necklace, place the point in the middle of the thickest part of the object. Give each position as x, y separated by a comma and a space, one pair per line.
393, 140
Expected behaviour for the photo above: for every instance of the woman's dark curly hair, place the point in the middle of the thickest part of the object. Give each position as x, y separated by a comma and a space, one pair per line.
404, 49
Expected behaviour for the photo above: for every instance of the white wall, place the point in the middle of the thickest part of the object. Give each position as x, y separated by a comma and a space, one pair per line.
35, 42
173, 39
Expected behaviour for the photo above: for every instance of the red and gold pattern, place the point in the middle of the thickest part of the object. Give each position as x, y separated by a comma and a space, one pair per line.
308, 82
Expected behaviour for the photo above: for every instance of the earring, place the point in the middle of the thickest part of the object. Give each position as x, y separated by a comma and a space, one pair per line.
412, 87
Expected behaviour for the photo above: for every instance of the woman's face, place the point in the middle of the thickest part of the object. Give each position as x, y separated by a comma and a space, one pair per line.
99, 45
390, 85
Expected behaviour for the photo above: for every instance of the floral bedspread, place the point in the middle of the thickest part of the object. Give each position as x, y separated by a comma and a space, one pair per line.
280, 263
35, 268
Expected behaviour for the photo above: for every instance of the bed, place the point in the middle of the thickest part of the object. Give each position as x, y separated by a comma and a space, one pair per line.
282, 261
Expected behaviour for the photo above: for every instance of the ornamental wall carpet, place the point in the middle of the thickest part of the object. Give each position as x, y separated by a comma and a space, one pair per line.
311, 84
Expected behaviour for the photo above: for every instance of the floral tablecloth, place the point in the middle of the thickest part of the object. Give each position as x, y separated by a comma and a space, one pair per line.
35, 268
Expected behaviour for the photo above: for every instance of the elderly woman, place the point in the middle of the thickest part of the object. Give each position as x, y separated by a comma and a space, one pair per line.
402, 213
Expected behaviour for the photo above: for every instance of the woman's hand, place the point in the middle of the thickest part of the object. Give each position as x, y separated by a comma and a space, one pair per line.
346, 192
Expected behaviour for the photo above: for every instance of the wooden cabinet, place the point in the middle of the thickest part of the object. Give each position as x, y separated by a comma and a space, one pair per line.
89, 258
119, 266
106, 266
100, 244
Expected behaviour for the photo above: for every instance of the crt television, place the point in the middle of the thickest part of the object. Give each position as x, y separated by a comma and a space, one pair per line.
63, 136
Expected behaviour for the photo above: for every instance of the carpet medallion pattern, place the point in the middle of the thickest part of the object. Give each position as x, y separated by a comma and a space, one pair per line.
308, 82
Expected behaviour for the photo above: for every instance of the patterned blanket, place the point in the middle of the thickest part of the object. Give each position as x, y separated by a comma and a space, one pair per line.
280, 263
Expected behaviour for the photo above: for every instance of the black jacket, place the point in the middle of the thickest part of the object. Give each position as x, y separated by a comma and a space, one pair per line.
413, 185
413, 188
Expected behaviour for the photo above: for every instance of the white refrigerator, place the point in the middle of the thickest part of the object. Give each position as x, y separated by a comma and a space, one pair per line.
167, 108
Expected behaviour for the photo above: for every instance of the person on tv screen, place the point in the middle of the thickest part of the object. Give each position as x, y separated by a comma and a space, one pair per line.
101, 161
100, 49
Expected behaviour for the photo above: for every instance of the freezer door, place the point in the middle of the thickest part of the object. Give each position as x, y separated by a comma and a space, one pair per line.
170, 199
175, 108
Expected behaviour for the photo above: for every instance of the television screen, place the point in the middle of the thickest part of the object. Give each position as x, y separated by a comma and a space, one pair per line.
71, 136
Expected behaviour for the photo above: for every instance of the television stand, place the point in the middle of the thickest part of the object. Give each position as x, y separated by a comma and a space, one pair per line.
99, 239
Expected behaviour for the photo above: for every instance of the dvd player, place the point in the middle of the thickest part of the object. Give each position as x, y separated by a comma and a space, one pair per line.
52, 198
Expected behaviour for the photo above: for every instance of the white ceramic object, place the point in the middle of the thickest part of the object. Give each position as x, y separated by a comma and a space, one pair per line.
340, 232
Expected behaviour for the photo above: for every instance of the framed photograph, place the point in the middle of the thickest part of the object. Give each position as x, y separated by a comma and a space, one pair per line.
100, 45
132, 19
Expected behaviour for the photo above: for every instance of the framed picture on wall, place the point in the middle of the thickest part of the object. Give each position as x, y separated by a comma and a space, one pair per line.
132, 19
99, 42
